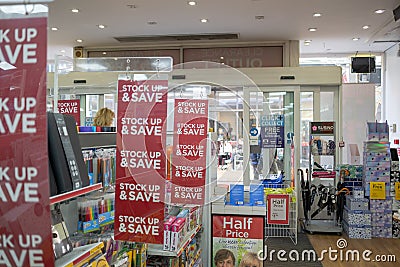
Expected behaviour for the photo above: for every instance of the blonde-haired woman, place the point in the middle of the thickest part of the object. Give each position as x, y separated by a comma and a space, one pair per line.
250, 259
104, 117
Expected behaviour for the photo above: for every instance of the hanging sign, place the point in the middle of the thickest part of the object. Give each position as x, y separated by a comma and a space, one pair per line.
397, 190
25, 225
377, 190
325, 127
278, 209
71, 107
272, 131
189, 151
234, 236
141, 162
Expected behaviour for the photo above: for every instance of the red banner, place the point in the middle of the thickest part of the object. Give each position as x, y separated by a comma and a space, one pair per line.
228, 226
278, 209
71, 107
189, 151
141, 161
25, 227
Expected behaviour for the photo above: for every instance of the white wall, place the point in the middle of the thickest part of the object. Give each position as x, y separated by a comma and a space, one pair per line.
358, 108
392, 91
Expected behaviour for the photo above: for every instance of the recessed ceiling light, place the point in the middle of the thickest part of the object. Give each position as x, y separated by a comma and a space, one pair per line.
62, 51
152, 22
101, 26
54, 28
204, 20
221, 57
379, 11
312, 29
104, 53
356, 39
365, 27
317, 15
79, 40
307, 43
75, 10
192, 3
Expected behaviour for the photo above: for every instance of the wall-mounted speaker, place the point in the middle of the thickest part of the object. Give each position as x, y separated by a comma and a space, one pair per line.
78, 52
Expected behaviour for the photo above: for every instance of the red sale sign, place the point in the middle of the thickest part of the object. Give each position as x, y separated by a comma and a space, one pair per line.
141, 161
25, 227
189, 151
238, 234
278, 209
71, 107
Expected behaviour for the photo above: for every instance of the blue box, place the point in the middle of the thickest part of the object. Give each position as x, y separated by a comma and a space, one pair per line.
236, 195
353, 203
380, 205
384, 231
381, 218
358, 231
357, 217
257, 195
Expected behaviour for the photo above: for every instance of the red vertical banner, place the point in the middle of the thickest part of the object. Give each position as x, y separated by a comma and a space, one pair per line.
71, 107
141, 161
189, 151
25, 226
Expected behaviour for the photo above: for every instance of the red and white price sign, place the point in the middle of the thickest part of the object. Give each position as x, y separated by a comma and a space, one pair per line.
25, 226
71, 107
141, 161
189, 151
278, 209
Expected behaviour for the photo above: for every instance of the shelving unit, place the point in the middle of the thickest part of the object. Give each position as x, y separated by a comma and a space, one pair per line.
157, 250
75, 193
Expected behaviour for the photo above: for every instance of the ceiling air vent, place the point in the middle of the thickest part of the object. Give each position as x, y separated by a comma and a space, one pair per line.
179, 37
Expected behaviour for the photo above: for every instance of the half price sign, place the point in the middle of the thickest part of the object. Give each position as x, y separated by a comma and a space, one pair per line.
278, 209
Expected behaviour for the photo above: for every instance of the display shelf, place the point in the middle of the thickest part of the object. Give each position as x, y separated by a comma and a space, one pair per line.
79, 254
75, 193
157, 250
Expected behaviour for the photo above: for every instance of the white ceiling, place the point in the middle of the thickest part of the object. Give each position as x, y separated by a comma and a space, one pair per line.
341, 20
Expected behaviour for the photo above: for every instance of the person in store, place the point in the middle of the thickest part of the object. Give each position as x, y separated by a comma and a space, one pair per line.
224, 258
104, 117
250, 259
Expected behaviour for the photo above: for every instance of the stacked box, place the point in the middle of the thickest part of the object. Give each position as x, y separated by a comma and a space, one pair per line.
358, 231
352, 175
357, 218
381, 211
376, 164
353, 203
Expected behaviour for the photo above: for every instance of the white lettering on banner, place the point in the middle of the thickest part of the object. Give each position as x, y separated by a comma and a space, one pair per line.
144, 196
21, 121
11, 53
146, 130
187, 195
193, 132
68, 109
234, 228
190, 153
140, 154
139, 225
14, 192
143, 97
237, 224
142, 88
189, 110
137, 187
191, 104
154, 164
24, 241
190, 168
190, 174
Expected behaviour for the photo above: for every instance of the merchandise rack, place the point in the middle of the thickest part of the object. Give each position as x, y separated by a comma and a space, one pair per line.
154, 249
290, 230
